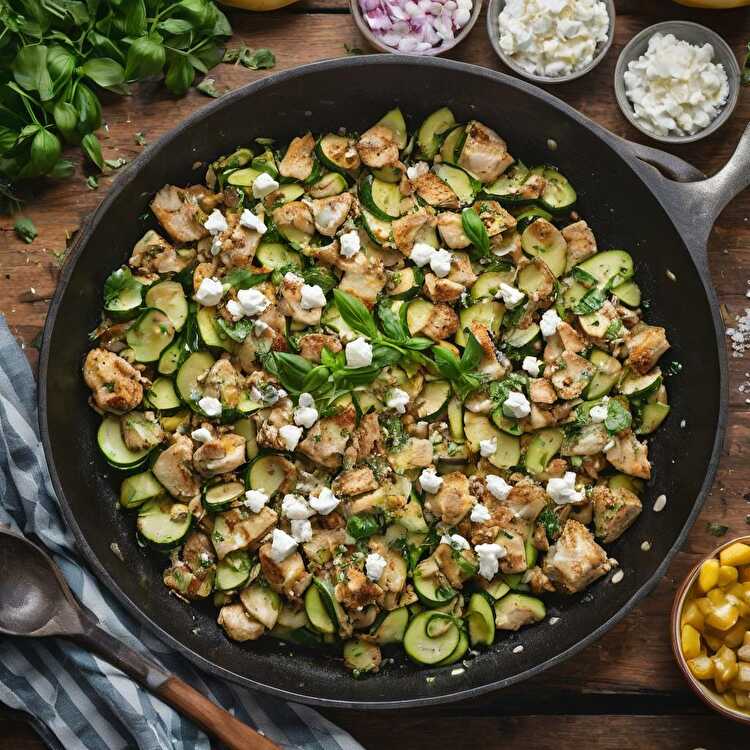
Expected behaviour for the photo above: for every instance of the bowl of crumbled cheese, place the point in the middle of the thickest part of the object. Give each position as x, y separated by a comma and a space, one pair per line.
677, 81
551, 41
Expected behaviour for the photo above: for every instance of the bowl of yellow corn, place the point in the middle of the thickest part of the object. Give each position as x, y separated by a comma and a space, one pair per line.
711, 629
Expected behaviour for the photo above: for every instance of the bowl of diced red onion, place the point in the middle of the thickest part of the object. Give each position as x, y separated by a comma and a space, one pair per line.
415, 27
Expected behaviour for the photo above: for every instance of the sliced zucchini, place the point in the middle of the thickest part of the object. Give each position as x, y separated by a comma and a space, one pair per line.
262, 603
505, 423
433, 399
169, 297
274, 255
519, 338
288, 193
531, 279
267, 474
481, 621
381, 199
162, 395
652, 415
507, 188
361, 656
137, 488
246, 428
233, 570
430, 593
378, 231
423, 649
542, 449
243, 177
150, 335
516, 610
329, 184
163, 523
497, 588
171, 357
607, 373
627, 482
558, 194
489, 314
113, 448
210, 333
629, 293
458, 652
218, 496
462, 183
317, 613
610, 268
335, 610
123, 294
428, 135
392, 627
394, 120
487, 284
456, 420
529, 215
187, 381
411, 518
452, 144
478, 428
544, 240
331, 318
407, 283
329, 149
266, 162
633, 385
418, 315
388, 174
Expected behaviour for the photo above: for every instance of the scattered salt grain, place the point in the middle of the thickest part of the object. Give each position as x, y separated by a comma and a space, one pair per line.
618, 576
518, 649
661, 501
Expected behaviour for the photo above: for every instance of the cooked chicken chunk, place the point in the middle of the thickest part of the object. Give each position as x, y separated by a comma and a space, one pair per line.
238, 624
355, 482
312, 344
461, 270
178, 212
153, 254
572, 376
630, 456
581, 243
330, 213
324, 543
416, 454
357, 591
514, 560
572, 341
495, 218
541, 391
245, 529
614, 511
288, 577
115, 383
298, 160
377, 147
453, 500
407, 228
269, 425
575, 560
326, 440
445, 556
645, 345
442, 290
451, 229
366, 440
442, 323
291, 303
238, 243
364, 278
223, 383
485, 153
296, 215
590, 440
174, 469
220, 455
431, 189
526, 500
141, 430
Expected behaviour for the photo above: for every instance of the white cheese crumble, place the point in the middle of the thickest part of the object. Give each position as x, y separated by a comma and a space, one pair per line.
216, 223
397, 399
660, 503
235, 310
455, 540
549, 323
516, 405
429, 481
497, 486
674, 87
440, 263
250, 221
201, 435
305, 415
358, 353
598, 413
263, 185
290, 435
295, 508
255, 500
562, 490
253, 301
479, 514
282, 545
216, 245
552, 37
531, 365
292, 278
210, 406
489, 556
487, 447
349, 244
511, 296
325, 503
375, 565
417, 170
210, 292
421, 253
312, 297
301, 530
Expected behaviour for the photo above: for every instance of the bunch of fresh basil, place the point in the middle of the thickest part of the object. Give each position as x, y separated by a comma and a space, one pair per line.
55, 55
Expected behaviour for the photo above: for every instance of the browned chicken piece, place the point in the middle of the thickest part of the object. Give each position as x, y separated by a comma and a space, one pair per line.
238, 624
115, 383
508, 246
393, 578
527, 499
355, 482
326, 440
539, 538
325, 542
572, 341
220, 455
485, 153
495, 218
268, 425
441, 290
174, 469
553, 349
614, 511
431, 189
364, 278
295, 215
416, 454
367, 440
539, 418
298, 160
178, 212
588, 441
312, 344
645, 345
198, 552
451, 229
141, 430
223, 383
573, 375
238, 243
532, 188
541, 391
597, 324
445, 556
442, 323
291, 303
357, 590
515, 549
330, 213
461, 271
246, 529
343, 151
153, 254
629, 455
203, 271
575, 560
453, 501
407, 228
180, 578
581, 243
287, 577
537, 580
489, 365
377, 147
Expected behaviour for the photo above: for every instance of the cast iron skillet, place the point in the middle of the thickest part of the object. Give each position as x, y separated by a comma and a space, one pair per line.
629, 204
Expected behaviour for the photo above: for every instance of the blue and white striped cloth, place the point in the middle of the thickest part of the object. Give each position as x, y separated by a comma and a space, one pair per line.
76, 700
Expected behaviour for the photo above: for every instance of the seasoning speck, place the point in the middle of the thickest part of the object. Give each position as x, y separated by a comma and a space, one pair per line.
554, 620
116, 551
518, 649
661, 501
618, 576
646, 546
429, 680
671, 276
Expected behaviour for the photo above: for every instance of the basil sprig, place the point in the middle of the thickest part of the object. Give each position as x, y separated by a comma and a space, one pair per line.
475, 230
461, 373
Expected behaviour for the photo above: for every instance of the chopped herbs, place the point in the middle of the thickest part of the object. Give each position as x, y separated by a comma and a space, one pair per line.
25, 230
716, 529
258, 59
208, 87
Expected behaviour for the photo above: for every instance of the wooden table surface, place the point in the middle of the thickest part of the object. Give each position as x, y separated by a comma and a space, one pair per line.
624, 691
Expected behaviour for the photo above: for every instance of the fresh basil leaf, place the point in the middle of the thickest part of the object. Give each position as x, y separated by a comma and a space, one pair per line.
175, 26
135, 18
331, 360
475, 230
25, 229
583, 276
618, 417
208, 87
467, 384
500, 389
321, 276
316, 379
44, 153
238, 331
355, 314
551, 522
746, 68
472, 354
92, 182
418, 343
103, 71
30, 70
66, 119
356, 376
391, 323
383, 356
260, 59
291, 370
590, 302
90, 144
117, 282
222, 27
242, 278
146, 57
88, 107
447, 363
60, 64
61, 169
362, 526
180, 75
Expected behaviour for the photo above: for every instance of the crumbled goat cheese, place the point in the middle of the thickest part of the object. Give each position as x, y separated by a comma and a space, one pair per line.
375, 565
487, 447
210, 406
516, 405
253, 301
598, 413
349, 244
562, 490
290, 435
250, 221
479, 514
455, 540
295, 508
497, 486
260, 327
417, 170
421, 253
430, 481
216, 223
282, 545
209, 292
326, 502
511, 296
269, 395
674, 87
397, 399
216, 245
531, 365
552, 37
301, 530
263, 185
440, 263
255, 500
489, 556
358, 353
549, 323
292, 278
235, 310
312, 297
201, 435
305, 415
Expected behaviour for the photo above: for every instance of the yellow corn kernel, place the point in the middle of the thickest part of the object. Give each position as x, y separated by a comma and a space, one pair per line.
719, 685
742, 699
735, 554
691, 642
713, 641
704, 605
727, 574
724, 613
745, 573
725, 665
729, 700
733, 637
702, 667
692, 615
709, 575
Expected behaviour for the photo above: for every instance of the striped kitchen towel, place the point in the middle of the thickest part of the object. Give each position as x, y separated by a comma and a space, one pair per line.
77, 701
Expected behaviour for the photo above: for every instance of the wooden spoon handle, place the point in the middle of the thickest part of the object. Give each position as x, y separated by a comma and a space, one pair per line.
216, 721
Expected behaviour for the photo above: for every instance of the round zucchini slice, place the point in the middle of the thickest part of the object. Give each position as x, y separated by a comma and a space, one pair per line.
138, 488
639, 386
610, 268
418, 315
187, 382
169, 297
429, 592
162, 395
317, 613
274, 255
164, 523
328, 185
361, 656
382, 199
394, 119
558, 194
243, 177
543, 447
150, 335
481, 621
428, 135
233, 571
123, 294
453, 142
378, 231
423, 649
330, 150
113, 448
488, 284
461, 182
392, 627
210, 333
406, 283
218, 496
432, 400
541, 239
267, 474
